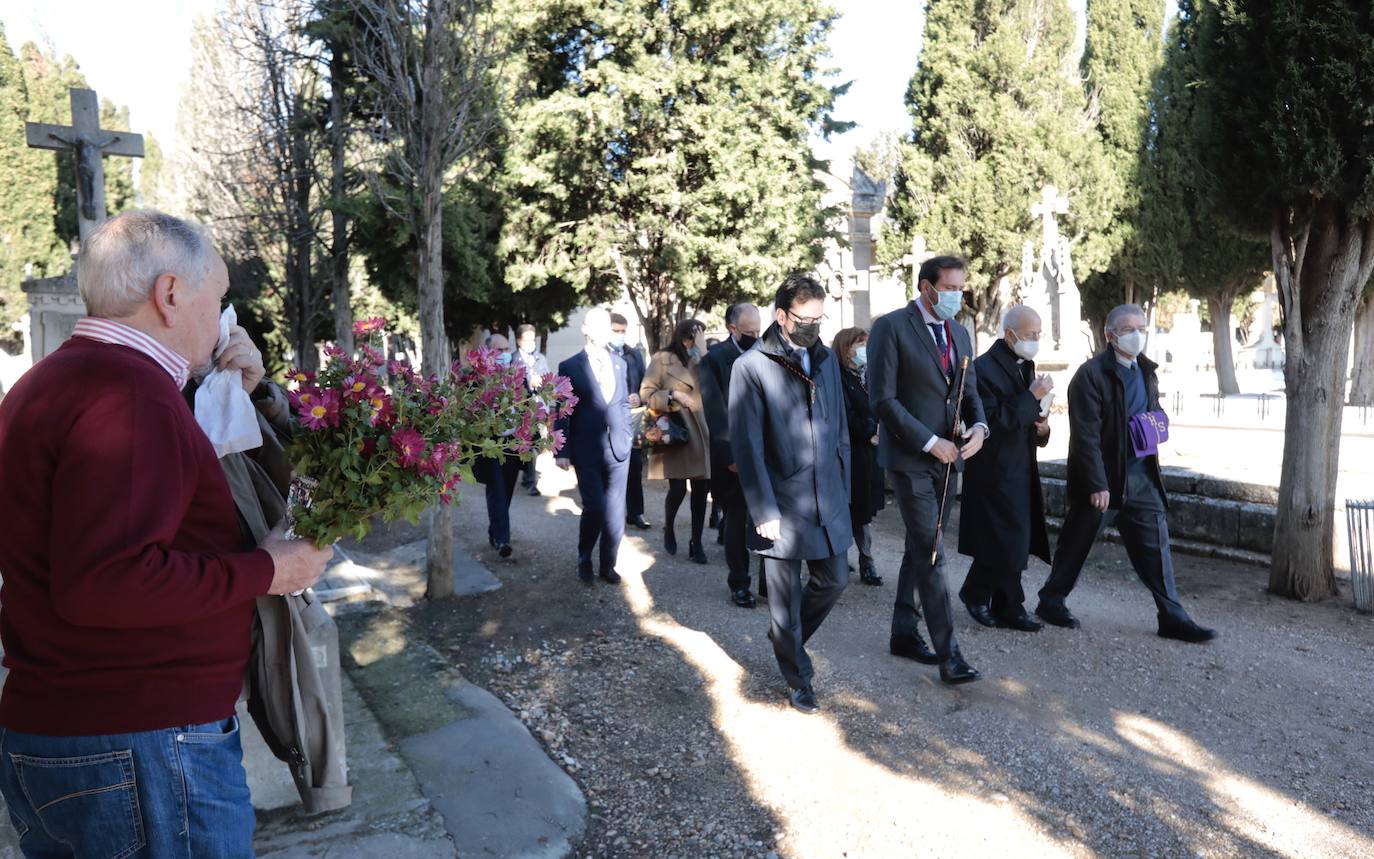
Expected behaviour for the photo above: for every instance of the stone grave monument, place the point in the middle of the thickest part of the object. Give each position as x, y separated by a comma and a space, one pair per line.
1047, 285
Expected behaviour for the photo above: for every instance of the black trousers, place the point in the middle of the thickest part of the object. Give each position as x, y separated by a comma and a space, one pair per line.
634, 486
796, 611
918, 498
500, 488
1144, 530
602, 486
735, 513
995, 587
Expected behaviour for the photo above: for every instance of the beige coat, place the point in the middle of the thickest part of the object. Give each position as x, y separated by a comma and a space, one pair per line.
665, 375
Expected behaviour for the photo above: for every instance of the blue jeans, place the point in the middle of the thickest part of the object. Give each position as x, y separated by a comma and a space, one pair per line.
178, 792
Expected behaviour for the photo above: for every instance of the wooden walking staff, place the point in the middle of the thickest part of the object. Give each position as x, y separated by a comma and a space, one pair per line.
949, 466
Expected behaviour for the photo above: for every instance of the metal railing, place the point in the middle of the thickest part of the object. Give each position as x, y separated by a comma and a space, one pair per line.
1359, 519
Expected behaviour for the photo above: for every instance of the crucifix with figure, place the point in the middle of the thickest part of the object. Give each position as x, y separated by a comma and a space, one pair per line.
91, 144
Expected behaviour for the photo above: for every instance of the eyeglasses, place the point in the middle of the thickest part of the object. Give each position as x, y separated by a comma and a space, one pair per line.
1035, 337
805, 320
1122, 331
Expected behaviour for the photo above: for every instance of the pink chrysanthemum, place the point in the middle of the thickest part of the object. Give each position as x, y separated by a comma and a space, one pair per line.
409, 446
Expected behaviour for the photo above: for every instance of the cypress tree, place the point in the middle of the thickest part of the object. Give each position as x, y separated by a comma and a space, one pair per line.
997, 112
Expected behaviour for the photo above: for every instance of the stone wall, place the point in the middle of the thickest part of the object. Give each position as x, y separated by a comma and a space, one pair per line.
1226, 514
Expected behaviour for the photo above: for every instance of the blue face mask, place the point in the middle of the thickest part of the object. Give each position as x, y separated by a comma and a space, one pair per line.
861, 356
617, 342
503, 358
694, 352
949, 304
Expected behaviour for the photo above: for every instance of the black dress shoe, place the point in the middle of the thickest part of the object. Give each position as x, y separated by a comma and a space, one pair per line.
534, 489
803, 701
696, 552
669, 541
980, 612
714, 522
912, 646
584, 574
610, 577
504, 550
639, 522
1189, 632
1022, 622
743, 598
1057, 616
955, 670
868, 574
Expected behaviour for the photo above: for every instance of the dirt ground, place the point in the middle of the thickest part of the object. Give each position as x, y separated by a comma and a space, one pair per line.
663, 701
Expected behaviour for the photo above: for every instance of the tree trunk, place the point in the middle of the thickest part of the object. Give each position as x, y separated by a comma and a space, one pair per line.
1319, 288
1219, 308
1362, 375
435, 360
338, 246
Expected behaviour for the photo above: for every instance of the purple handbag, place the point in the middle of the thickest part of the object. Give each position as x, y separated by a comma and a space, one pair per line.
1148, 430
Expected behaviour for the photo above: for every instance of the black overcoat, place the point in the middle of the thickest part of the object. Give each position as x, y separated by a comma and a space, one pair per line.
866, 486
1002, 515
790, 441
1099, 444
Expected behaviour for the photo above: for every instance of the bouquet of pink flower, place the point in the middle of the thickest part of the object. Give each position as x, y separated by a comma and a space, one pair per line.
377, 437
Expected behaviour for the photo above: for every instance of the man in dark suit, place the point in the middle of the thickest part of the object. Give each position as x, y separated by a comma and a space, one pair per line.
598, 444
790, 443
1108, 481
743, 322
634, 377
1002, 515
913, 365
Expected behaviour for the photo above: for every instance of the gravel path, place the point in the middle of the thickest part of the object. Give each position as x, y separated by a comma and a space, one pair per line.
663, 701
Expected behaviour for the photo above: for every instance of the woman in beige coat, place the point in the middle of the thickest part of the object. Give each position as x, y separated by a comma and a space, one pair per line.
671, 385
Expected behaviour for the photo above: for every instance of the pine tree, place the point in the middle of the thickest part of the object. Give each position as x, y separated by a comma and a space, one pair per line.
663, 149
1285, 91
997, 112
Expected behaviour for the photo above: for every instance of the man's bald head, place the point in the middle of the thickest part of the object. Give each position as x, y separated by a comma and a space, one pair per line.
1021, 324
596, 326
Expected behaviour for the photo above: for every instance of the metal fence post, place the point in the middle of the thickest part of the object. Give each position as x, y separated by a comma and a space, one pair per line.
1359, 518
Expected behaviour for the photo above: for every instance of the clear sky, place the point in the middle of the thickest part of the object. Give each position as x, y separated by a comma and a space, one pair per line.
138, 54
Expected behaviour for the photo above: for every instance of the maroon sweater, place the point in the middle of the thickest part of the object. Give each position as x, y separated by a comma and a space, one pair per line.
128, 585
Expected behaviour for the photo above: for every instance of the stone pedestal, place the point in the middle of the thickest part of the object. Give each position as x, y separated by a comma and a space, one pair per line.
55, 305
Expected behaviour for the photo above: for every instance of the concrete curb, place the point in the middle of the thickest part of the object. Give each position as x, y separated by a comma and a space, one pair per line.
497, 791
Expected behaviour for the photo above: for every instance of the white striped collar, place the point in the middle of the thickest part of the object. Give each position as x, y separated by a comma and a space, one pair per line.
119, 334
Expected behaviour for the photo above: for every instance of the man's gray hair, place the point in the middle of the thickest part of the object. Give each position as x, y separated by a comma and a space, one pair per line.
1017, 315
1121, 311
122, 259
737, 311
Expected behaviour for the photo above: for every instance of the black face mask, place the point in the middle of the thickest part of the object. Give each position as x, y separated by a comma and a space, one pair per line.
745, 341
805, 334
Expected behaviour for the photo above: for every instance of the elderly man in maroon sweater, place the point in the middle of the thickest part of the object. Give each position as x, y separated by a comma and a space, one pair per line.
128, 581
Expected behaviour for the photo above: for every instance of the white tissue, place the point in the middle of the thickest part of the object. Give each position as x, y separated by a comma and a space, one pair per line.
1045, 403
223, 408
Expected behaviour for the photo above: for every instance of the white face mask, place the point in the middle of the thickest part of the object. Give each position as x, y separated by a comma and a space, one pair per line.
1026, 350
1131, 344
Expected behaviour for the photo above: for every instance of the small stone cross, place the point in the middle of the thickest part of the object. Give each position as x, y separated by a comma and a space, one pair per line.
1051, 203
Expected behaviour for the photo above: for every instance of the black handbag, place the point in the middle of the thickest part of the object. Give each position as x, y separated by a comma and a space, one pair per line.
658, 429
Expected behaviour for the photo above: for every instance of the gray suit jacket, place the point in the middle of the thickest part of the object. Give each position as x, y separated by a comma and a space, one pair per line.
909, 391
790, 439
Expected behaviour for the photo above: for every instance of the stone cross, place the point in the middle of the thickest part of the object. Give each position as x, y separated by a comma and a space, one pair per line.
91, 143
1049, 205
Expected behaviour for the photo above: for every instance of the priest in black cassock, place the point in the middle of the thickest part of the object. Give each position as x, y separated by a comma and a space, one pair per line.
1002, 517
